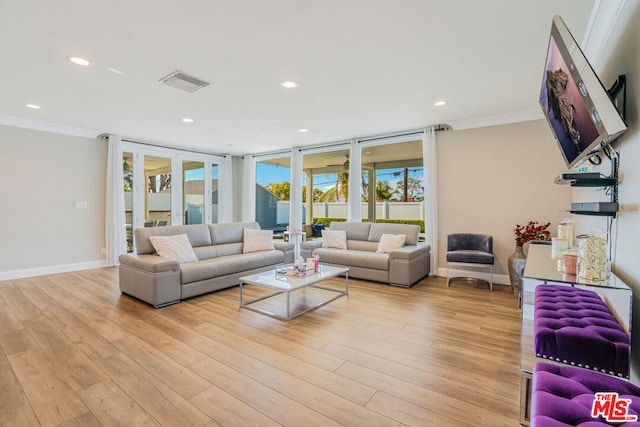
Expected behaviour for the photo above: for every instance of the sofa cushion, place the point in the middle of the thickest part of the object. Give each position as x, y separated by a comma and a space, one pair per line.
334, 239
206, 252
230, 232
225, 265
176, 248
257, 240
389, 242
355, 230
573, 325
475, 257
410, 230
564, 396
198, 235
353, 258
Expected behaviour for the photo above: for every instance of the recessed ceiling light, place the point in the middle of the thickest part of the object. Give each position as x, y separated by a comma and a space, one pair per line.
187, 120
289, 85
440, 103
78, 60
114, 70
32, 106
303, 130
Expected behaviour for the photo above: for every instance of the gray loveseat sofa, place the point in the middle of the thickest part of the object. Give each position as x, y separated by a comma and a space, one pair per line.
160, 281
399, 267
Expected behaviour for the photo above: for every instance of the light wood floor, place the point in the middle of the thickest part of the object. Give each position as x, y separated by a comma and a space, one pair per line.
75, 352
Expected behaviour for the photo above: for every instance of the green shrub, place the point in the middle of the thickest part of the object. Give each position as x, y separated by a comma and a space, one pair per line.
327, 221
419, 222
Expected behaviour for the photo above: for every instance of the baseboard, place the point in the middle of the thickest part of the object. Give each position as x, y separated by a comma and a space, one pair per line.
498, 279
52, 269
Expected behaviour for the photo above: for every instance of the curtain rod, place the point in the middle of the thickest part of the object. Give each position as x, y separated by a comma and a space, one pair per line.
132, 141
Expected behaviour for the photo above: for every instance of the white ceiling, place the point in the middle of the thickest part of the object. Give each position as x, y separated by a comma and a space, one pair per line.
364, 67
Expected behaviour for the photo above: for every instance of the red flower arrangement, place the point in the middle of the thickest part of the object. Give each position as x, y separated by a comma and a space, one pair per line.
532, 231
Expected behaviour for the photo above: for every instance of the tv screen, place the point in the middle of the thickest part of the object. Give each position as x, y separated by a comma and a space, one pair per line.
579, 111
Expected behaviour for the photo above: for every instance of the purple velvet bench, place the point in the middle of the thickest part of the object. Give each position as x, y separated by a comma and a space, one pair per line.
574, 326
564, 395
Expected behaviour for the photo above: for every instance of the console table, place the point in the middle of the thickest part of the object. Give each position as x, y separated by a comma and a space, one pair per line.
542, 269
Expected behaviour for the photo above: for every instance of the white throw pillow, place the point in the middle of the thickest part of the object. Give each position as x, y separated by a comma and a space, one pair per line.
257, 240
334, 239
389, 242
177, 248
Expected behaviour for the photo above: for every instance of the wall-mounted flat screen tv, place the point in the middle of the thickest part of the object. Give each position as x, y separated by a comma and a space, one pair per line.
578, 108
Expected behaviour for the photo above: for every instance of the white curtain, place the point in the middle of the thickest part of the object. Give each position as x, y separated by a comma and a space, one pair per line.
249, 189
354, 206
115, 238
225, 190
430, 194
295, 193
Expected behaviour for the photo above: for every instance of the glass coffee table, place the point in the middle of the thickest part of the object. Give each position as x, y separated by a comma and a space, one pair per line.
293, 295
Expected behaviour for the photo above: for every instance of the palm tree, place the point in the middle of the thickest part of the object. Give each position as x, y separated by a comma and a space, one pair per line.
340, 191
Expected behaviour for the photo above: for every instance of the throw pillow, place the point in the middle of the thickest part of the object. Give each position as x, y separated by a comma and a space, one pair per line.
334, 239
389, 242
317, 229
177, 248
257, 240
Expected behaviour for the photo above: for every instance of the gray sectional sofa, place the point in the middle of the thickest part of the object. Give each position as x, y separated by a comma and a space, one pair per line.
400, 267
221, 262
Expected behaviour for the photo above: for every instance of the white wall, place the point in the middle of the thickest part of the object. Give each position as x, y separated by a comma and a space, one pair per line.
42, 176
621, 57
492, 179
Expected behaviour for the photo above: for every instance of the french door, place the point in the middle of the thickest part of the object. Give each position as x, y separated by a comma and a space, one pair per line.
168, 187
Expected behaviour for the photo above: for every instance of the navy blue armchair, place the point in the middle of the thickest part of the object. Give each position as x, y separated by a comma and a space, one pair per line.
470, 250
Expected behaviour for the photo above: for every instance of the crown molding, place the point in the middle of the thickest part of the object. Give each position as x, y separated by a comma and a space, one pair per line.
602, 22
47, 127
500, 119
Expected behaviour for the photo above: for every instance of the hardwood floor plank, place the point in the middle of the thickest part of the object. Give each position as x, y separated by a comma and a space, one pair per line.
278, 407
77, 370
226, 410
75, 351
112, 407
262, 342
433, 401
80, 333
338, 408
175, 349
186, 383
283, 361
51, 398
466, 386
15, 409
157, 398
410, 414
16, 302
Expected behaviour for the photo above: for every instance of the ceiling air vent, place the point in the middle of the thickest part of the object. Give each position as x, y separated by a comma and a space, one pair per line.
183, 81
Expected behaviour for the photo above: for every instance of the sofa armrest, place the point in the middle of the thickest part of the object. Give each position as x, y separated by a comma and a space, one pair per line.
150, 263
288, 249
307, 248
409, 252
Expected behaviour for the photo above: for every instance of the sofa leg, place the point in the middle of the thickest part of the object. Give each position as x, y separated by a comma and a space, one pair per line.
166, 304
448, 276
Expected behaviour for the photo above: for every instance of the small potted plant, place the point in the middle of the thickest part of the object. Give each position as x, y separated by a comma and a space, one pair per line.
533, 230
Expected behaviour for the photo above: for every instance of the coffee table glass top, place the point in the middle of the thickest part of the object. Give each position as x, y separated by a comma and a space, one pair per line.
273, 279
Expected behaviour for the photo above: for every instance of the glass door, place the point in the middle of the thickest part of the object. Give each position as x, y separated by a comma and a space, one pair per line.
158, 189
193, 192
127, 178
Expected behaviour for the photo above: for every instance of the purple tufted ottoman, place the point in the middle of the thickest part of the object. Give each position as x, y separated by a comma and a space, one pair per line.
564, 395
575, 326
